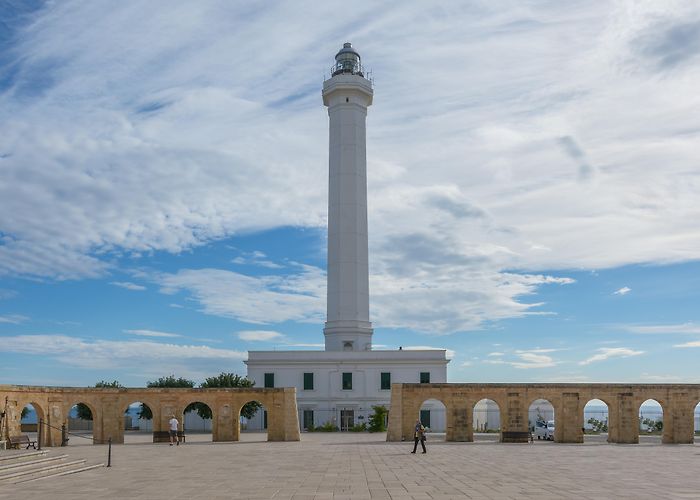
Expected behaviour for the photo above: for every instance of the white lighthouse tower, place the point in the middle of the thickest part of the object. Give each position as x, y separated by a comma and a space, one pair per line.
347, 93
341, 384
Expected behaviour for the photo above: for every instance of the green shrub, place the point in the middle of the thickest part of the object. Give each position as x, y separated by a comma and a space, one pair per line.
359, 427
378, 418
327, 427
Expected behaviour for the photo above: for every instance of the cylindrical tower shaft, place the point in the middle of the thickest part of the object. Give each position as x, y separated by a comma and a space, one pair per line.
347, 94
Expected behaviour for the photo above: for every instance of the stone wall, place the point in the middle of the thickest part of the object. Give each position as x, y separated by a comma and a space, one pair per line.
53, 405
678, 402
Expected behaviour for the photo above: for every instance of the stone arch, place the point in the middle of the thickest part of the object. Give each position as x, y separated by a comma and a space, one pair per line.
193, 422
259, 422
134, 426
602, 421
39, 417
433, 414
651, 417
695, 411
81, 432
488, 415
541, 411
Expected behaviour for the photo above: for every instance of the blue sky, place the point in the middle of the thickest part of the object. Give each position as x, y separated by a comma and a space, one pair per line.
533, 185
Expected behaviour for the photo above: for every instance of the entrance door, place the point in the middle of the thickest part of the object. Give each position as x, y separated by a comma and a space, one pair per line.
347, 419
308, 420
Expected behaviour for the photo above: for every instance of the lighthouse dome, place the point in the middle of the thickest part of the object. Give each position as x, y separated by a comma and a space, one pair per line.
347, 60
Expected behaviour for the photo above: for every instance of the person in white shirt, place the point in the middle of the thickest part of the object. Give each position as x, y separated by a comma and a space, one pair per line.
173, 430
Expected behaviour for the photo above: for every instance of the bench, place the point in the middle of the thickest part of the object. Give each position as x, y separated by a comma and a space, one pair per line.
16, 441
164, 436
516, 437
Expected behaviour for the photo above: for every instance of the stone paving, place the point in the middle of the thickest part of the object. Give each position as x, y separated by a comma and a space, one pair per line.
364, 466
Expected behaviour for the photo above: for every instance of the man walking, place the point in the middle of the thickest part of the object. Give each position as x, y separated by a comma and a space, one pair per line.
173, 431
419, 435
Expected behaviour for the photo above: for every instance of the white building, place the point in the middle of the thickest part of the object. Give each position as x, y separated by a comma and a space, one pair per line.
343, 382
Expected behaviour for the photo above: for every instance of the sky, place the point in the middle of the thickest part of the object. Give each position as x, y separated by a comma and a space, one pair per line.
533, 185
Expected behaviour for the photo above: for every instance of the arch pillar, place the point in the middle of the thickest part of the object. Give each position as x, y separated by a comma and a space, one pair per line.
282, 418
162, 414
459, 421
13, 420
679, 420
110, 423
625, 420
515, 418
568, 415
395, 428
222, 423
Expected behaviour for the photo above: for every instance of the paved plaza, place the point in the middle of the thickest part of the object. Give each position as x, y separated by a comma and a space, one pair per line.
364, 466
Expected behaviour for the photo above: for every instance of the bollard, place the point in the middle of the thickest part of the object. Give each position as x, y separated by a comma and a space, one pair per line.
109, 452
64, 440
39, 432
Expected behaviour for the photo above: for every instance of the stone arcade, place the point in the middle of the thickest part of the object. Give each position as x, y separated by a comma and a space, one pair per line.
108, 405
677, 400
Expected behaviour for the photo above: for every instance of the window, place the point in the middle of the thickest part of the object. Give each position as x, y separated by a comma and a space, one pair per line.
347, 381
386, 381
425, 418
424, 377
308, 381
269, 380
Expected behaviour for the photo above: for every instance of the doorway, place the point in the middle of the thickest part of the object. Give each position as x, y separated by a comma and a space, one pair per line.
347, 419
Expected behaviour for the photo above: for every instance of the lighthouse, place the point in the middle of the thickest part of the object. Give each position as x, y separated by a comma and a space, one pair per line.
340, 385
347, 94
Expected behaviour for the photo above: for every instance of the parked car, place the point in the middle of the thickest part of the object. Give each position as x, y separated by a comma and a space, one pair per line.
544, 430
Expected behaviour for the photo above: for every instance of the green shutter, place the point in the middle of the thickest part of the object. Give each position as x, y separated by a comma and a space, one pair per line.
424, 377
308, 381
386, 381
269, 380
347, 381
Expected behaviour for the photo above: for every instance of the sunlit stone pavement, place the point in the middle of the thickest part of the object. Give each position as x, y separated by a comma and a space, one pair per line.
364, 466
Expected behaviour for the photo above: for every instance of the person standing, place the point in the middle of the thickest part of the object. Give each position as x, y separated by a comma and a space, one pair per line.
419, 435
173, 423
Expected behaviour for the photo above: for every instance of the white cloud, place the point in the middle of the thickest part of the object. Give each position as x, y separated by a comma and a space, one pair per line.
622, 291
681, 328
256, 258
695, 343
128, 285
519, 157
466, 364
259, 300
108, 354
260, 335
495, 354
151, 333
605, 353
13, 319
526, 359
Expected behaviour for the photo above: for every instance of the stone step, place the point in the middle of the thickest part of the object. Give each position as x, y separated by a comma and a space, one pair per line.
24, 464
64, 473
12, 457
36, 472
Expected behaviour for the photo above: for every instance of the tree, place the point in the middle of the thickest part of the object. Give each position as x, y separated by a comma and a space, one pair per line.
377, 419
25, 412
224, 379
169, 381
83, 410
